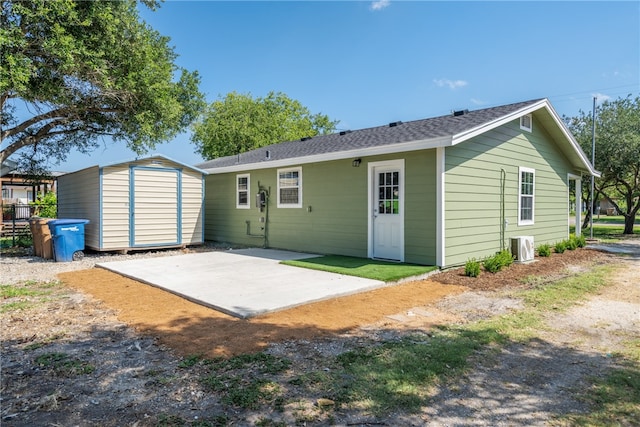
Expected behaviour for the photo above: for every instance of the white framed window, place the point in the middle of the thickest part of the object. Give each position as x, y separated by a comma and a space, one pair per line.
526, 195
290, 188
243, 185
526, 122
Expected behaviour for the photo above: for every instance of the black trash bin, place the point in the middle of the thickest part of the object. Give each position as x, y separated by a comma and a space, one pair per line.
68, 239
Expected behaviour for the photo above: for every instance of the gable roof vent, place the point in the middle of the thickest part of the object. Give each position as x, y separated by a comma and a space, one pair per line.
460, 113
268, 155
394, 124
344, 132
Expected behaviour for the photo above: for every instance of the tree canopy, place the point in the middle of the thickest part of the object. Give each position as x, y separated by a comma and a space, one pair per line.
237, 123
617, 152
74, 72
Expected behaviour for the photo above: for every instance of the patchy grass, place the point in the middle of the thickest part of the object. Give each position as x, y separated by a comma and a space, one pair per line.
25, 295
385, 271
615, 400
248, 392
398, 376
63, 365
565, 293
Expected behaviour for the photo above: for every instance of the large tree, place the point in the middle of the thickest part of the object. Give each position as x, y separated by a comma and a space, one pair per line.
617, 153
237, 123
73, 72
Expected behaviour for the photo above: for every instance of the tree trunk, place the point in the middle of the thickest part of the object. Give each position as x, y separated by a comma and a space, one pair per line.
628, 224
587, 218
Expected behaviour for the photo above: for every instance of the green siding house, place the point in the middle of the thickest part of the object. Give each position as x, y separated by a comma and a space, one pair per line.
437, 191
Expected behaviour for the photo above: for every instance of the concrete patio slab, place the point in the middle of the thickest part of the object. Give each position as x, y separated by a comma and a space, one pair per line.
244, 282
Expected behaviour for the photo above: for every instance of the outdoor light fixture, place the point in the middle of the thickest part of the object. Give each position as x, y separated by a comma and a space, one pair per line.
356, 163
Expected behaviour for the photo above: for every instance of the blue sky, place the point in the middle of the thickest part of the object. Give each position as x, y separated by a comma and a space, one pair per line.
369, 63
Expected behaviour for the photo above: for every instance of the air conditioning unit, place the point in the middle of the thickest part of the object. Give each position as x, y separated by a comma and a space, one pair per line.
522, 248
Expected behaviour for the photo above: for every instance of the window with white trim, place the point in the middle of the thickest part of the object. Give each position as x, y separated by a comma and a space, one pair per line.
242, 191
526, 195
526, 122
290, 188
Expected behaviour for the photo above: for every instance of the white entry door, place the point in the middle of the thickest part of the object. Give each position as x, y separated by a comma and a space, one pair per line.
387, 236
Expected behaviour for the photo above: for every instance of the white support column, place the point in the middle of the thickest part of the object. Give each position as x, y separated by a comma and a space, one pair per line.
578, 190
440, 207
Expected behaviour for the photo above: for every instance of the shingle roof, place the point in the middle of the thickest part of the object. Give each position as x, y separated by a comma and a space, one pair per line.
418, 130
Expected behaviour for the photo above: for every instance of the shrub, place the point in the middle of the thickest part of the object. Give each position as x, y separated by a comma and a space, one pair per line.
544, 250
46, 205
580, 240
571, 243
472, 268
560, 247
499, 260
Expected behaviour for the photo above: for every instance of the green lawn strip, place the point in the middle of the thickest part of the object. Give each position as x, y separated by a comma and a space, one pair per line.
362, 267
606, 232
613, 219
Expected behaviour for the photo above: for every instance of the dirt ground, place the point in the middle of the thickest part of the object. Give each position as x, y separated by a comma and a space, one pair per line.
136, 337
190, 329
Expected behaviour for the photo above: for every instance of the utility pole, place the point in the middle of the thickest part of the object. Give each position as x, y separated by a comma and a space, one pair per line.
593, 162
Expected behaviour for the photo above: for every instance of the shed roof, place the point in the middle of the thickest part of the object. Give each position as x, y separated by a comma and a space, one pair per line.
158, 157
398, 137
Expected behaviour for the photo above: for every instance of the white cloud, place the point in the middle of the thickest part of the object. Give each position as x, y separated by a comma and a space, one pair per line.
477, 101
452, 84
380, 4
601, 97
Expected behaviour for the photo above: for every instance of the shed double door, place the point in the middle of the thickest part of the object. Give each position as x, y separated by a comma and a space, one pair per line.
155, 215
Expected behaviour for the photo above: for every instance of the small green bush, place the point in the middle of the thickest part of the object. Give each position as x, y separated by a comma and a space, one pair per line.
580, 241
544, 250
46, 205
571, 244
498, 261
472, 268
560, 247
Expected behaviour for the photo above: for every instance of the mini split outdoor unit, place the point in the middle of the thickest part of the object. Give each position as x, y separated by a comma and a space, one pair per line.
522, 248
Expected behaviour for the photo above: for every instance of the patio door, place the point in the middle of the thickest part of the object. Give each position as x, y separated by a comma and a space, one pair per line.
386, 236
154, 206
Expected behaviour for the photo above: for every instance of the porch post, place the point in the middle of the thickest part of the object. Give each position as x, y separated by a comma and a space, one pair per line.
578, 190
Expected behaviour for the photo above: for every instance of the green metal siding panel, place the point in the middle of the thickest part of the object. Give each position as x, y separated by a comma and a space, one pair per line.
336, 222
472, 186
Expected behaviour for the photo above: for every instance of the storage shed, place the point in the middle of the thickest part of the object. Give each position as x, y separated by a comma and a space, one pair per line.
153, 202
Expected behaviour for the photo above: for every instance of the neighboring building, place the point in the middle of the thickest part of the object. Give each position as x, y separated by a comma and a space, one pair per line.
437, 191
154, 202
19, 189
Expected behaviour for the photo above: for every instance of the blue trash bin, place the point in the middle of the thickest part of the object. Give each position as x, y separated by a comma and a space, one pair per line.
68, 238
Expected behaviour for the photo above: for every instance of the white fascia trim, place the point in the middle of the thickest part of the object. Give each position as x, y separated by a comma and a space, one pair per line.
543, 103
485, 127
424, 144
574, 144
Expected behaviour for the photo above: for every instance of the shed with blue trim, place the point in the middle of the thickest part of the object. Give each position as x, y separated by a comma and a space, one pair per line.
151, 202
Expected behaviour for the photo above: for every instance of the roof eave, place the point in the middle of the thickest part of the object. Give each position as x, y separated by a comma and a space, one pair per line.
424, 144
